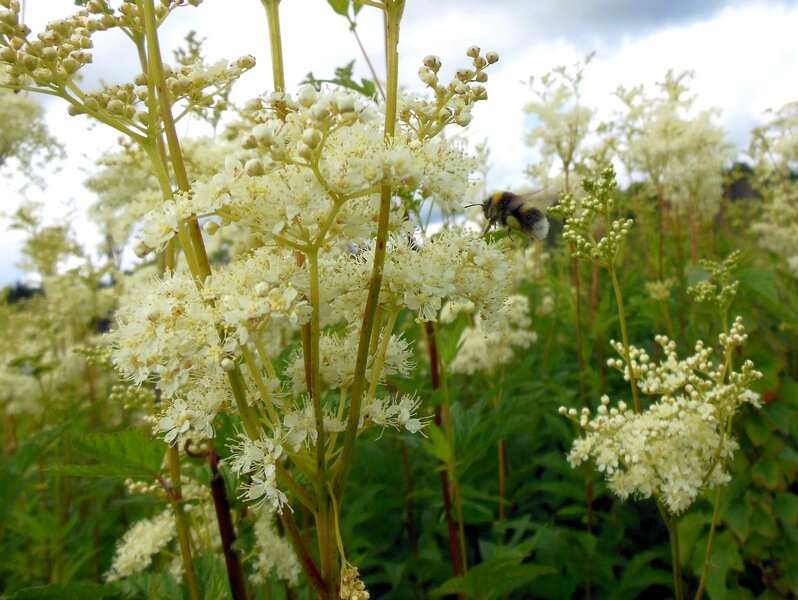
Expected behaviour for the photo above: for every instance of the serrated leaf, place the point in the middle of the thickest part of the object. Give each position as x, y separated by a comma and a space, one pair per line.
494, 578
130, 453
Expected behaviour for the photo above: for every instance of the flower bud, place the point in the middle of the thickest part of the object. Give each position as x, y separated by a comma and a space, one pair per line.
345, 103
432, 62
141, 249
70, 65
304, 151
472, 51
115, 107
492, 57
427, 76
463, 119
228, 364
210, 227
263, 133
464, 74
262, 289
307, 95
320, 111
254, 167
312, 137
7, 55
246, 62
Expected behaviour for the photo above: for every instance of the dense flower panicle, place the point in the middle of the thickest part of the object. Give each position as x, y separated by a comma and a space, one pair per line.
273, 552
479, 350
257, 459
255, 291
299, 426
165, 334
191, 415
337, 362
679, 445
309, 158
399, 412
146, 538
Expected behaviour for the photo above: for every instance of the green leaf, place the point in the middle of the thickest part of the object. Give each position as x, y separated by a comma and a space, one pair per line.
13, 469
639, 574
757, 430
130, 453
339, 6
786, 507
766, 473
494, 578
736, 518
68, 591
437, 444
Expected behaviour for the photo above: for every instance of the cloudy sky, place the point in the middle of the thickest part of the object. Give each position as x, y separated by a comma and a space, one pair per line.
743, 54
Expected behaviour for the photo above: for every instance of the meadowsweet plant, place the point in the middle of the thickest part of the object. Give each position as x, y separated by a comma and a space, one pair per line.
316, 186
680, 443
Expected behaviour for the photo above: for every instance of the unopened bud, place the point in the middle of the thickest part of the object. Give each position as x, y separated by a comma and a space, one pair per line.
492, 57
464, 74
228, 364
472, 51
263, 133
312, 137
432, 62
246, 62
307, 95
345, 103
210, 227
254, 167
141, 249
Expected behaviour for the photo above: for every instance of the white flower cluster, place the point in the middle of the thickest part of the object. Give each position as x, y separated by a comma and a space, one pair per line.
169, 332
135, 550
337, 362
273, 552
481, 350
315, 164
680, 444
257, 459
398, 412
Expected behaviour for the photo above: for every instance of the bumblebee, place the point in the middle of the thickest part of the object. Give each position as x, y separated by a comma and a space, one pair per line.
515, 212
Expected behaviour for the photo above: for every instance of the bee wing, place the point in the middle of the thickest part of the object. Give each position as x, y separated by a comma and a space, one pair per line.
519, 200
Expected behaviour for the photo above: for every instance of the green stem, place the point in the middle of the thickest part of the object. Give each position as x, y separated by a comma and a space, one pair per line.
676, 564
275, 43
393, 15
616, 286
183, 537
156, 73
327, 550
705, 570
